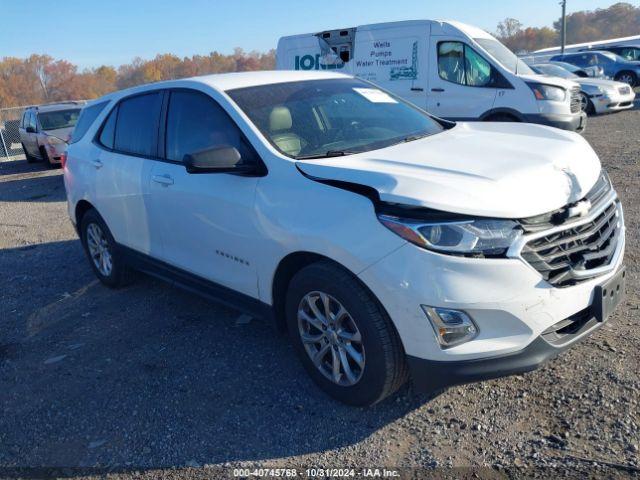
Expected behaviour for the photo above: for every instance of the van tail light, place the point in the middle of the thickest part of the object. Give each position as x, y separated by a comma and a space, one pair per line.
63, 159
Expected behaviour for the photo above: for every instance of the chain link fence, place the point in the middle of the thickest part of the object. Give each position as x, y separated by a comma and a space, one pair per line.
10, 148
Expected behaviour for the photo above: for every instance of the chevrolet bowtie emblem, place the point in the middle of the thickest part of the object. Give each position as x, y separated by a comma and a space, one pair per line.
580, 209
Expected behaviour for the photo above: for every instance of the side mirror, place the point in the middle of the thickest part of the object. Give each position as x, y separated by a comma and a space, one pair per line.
30, 129
220, 159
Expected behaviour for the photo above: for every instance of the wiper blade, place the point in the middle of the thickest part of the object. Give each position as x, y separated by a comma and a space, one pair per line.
327, 154
411, 138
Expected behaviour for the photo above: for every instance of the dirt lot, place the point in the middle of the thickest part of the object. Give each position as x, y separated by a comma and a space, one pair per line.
147, 379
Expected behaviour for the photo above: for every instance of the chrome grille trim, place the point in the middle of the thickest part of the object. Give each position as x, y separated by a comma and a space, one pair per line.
552, 259
575, 102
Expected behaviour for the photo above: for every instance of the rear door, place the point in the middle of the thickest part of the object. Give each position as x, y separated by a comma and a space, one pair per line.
206, 221
128, 140
460, 80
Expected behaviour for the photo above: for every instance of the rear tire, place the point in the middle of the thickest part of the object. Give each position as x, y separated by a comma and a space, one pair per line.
630, 78
363, 336
101, 250
28, 157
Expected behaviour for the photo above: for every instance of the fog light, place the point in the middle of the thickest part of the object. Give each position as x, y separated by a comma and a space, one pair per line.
452, 327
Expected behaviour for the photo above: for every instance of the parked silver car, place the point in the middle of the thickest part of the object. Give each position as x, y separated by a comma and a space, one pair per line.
598, 95
45, 131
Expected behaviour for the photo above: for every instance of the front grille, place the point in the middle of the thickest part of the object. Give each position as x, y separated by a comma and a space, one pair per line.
576, 103
624, 90
597, 194
560, 255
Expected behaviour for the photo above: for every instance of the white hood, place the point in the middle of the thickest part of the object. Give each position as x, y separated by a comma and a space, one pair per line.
549, 80
505, 170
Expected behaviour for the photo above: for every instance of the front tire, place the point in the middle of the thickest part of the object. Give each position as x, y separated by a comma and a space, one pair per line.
501, 117
28, 157
343, 336
586, 105
101, 249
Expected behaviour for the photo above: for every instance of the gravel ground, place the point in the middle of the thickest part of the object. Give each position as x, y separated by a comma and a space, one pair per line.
152, 382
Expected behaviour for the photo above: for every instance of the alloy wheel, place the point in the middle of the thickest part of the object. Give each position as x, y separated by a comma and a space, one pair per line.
98, 246
331, 338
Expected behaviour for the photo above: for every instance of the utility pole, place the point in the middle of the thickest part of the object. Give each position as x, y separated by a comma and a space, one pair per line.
563, 32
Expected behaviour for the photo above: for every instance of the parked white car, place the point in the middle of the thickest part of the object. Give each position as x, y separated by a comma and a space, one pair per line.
450, 69
597, 94
387, 241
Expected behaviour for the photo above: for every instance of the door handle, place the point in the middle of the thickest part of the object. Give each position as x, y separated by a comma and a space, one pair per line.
437, 89
96, 163
417, 89
164, 180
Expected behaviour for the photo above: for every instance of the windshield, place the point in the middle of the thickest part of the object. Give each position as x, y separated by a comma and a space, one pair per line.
58, 119
324, 118
505, 56
554, 71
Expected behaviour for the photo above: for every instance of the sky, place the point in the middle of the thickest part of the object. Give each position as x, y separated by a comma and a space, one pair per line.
91, 33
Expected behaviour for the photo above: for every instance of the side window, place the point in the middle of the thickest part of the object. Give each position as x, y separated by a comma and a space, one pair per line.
579, 60
109, 129
196, 122
459, 63
137, 124
25, 119
603, 59
477, 68
87, 116
451, 62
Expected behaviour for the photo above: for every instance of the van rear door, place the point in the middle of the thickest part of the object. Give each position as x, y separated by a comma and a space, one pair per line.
460, 80
394, 58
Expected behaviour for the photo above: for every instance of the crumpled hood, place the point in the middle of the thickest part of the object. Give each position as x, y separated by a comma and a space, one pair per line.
505, 170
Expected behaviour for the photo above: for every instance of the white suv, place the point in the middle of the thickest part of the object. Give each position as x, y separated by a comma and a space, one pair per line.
390, 243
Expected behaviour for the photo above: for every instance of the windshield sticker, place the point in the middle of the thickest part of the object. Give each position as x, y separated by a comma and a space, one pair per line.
374, 95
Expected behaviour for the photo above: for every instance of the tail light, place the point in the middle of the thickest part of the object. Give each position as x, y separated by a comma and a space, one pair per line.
63, 159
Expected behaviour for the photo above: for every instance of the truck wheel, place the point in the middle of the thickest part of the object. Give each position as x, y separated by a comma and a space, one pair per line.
343, 336
107, 263
627, 77
28, 157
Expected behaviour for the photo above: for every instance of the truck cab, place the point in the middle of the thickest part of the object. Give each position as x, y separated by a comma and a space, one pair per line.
452, 70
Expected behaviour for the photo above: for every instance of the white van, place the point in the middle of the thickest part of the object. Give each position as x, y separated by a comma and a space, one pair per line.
454, 71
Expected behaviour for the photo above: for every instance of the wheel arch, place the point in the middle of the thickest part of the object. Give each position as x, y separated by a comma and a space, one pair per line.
285, 271
82, 207
502, 111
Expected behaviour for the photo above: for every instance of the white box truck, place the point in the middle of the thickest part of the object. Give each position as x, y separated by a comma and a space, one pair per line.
452, 70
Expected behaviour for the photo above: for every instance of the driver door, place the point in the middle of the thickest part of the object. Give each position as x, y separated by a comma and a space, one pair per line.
206, 221
460, 86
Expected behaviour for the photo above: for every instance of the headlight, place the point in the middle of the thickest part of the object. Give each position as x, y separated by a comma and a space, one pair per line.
477, 237
51, 140
547, 92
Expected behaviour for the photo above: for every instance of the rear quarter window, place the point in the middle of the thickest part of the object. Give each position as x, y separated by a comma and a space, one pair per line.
137, 124
86, 119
